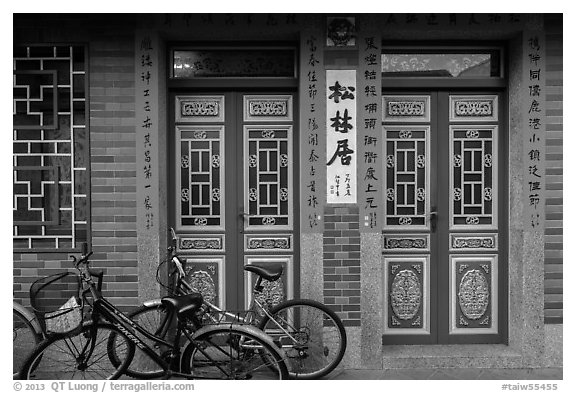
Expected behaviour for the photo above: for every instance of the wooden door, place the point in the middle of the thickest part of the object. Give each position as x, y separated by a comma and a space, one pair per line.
235, 192
444, 264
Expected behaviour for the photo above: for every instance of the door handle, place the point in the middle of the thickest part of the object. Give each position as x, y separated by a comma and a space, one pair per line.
433, 220
243, 215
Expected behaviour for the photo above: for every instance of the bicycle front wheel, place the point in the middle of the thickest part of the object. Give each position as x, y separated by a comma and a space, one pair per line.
24, 339
311, 335
80, 356
232, 352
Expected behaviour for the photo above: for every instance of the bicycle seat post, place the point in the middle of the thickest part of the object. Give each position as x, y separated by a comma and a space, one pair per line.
258, 286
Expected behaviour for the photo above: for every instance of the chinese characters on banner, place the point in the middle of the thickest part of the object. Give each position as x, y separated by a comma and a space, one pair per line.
454, 20
312, 120
146, 126
535, 118
369, 132
341, 150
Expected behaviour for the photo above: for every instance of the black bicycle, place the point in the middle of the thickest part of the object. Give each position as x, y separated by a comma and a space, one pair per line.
104, 346
311, 336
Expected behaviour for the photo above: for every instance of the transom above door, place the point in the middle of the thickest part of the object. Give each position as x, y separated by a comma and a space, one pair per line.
444, 263
235, 193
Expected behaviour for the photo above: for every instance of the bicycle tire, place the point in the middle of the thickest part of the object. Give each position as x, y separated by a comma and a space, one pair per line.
230, 351
152, 316
62, 356
320, 334
25, 337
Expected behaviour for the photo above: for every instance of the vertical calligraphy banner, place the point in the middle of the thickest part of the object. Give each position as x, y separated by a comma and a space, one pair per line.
147, 60
312, 137
370, 174
534, 119
341, 150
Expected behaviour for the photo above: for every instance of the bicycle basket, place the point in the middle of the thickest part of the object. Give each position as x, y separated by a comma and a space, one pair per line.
56, 302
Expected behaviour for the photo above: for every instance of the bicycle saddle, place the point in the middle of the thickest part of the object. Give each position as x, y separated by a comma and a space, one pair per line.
271, 273
183, 304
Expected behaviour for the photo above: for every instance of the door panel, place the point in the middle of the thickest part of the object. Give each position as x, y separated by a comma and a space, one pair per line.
235, 192
443, 273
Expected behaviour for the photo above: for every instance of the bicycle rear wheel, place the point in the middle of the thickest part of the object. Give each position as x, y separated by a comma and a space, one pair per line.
79, 356
232, 352
311, 335
24, 339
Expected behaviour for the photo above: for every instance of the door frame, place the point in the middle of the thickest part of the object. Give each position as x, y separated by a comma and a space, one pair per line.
439, 274
234, 245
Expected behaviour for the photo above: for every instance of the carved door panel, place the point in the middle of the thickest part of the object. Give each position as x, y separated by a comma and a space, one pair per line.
444, 275
235, 191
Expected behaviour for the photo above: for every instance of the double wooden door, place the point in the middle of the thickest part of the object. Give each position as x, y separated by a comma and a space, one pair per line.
233, 181
444, 233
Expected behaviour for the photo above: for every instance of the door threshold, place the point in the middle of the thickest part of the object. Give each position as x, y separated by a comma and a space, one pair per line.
450, 356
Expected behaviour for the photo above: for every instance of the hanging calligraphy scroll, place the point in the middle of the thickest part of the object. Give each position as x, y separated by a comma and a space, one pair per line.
534, 118
341, 148
147, 123
312, 107
369, 129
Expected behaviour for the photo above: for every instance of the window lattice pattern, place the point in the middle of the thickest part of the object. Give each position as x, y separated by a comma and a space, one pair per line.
407, 163
269, 183
50, 148
473, 177
201, 176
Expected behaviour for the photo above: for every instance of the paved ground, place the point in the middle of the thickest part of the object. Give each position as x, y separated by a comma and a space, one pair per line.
451, 374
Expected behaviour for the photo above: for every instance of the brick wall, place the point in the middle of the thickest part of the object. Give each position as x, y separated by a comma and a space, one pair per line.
342, 262
553, 284
112, 149
113, 164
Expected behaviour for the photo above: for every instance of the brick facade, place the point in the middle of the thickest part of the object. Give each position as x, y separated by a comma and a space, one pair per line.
113, 163
342, 263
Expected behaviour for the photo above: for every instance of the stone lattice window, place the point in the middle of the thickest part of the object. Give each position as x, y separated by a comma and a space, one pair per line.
50, 148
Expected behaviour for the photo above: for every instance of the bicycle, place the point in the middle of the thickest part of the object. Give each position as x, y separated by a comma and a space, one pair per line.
104, 346
28, 331
311, 335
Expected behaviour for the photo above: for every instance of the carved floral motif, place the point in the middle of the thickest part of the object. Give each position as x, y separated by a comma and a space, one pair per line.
199, 108
473, 242
268, 108
202, 282
269, 244
478, 108
272, 294
473, 294
405, 243
406, 108
405, 294
200, 244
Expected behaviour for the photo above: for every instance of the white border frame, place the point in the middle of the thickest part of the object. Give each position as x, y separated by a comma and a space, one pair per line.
386, 235
425, 329
406, 119
200, 119
249, 236
494, 236
269, 97
455, 119
454, 329
215, 236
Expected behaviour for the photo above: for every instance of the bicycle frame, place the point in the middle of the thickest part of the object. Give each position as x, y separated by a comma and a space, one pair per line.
236, 317
102, 307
